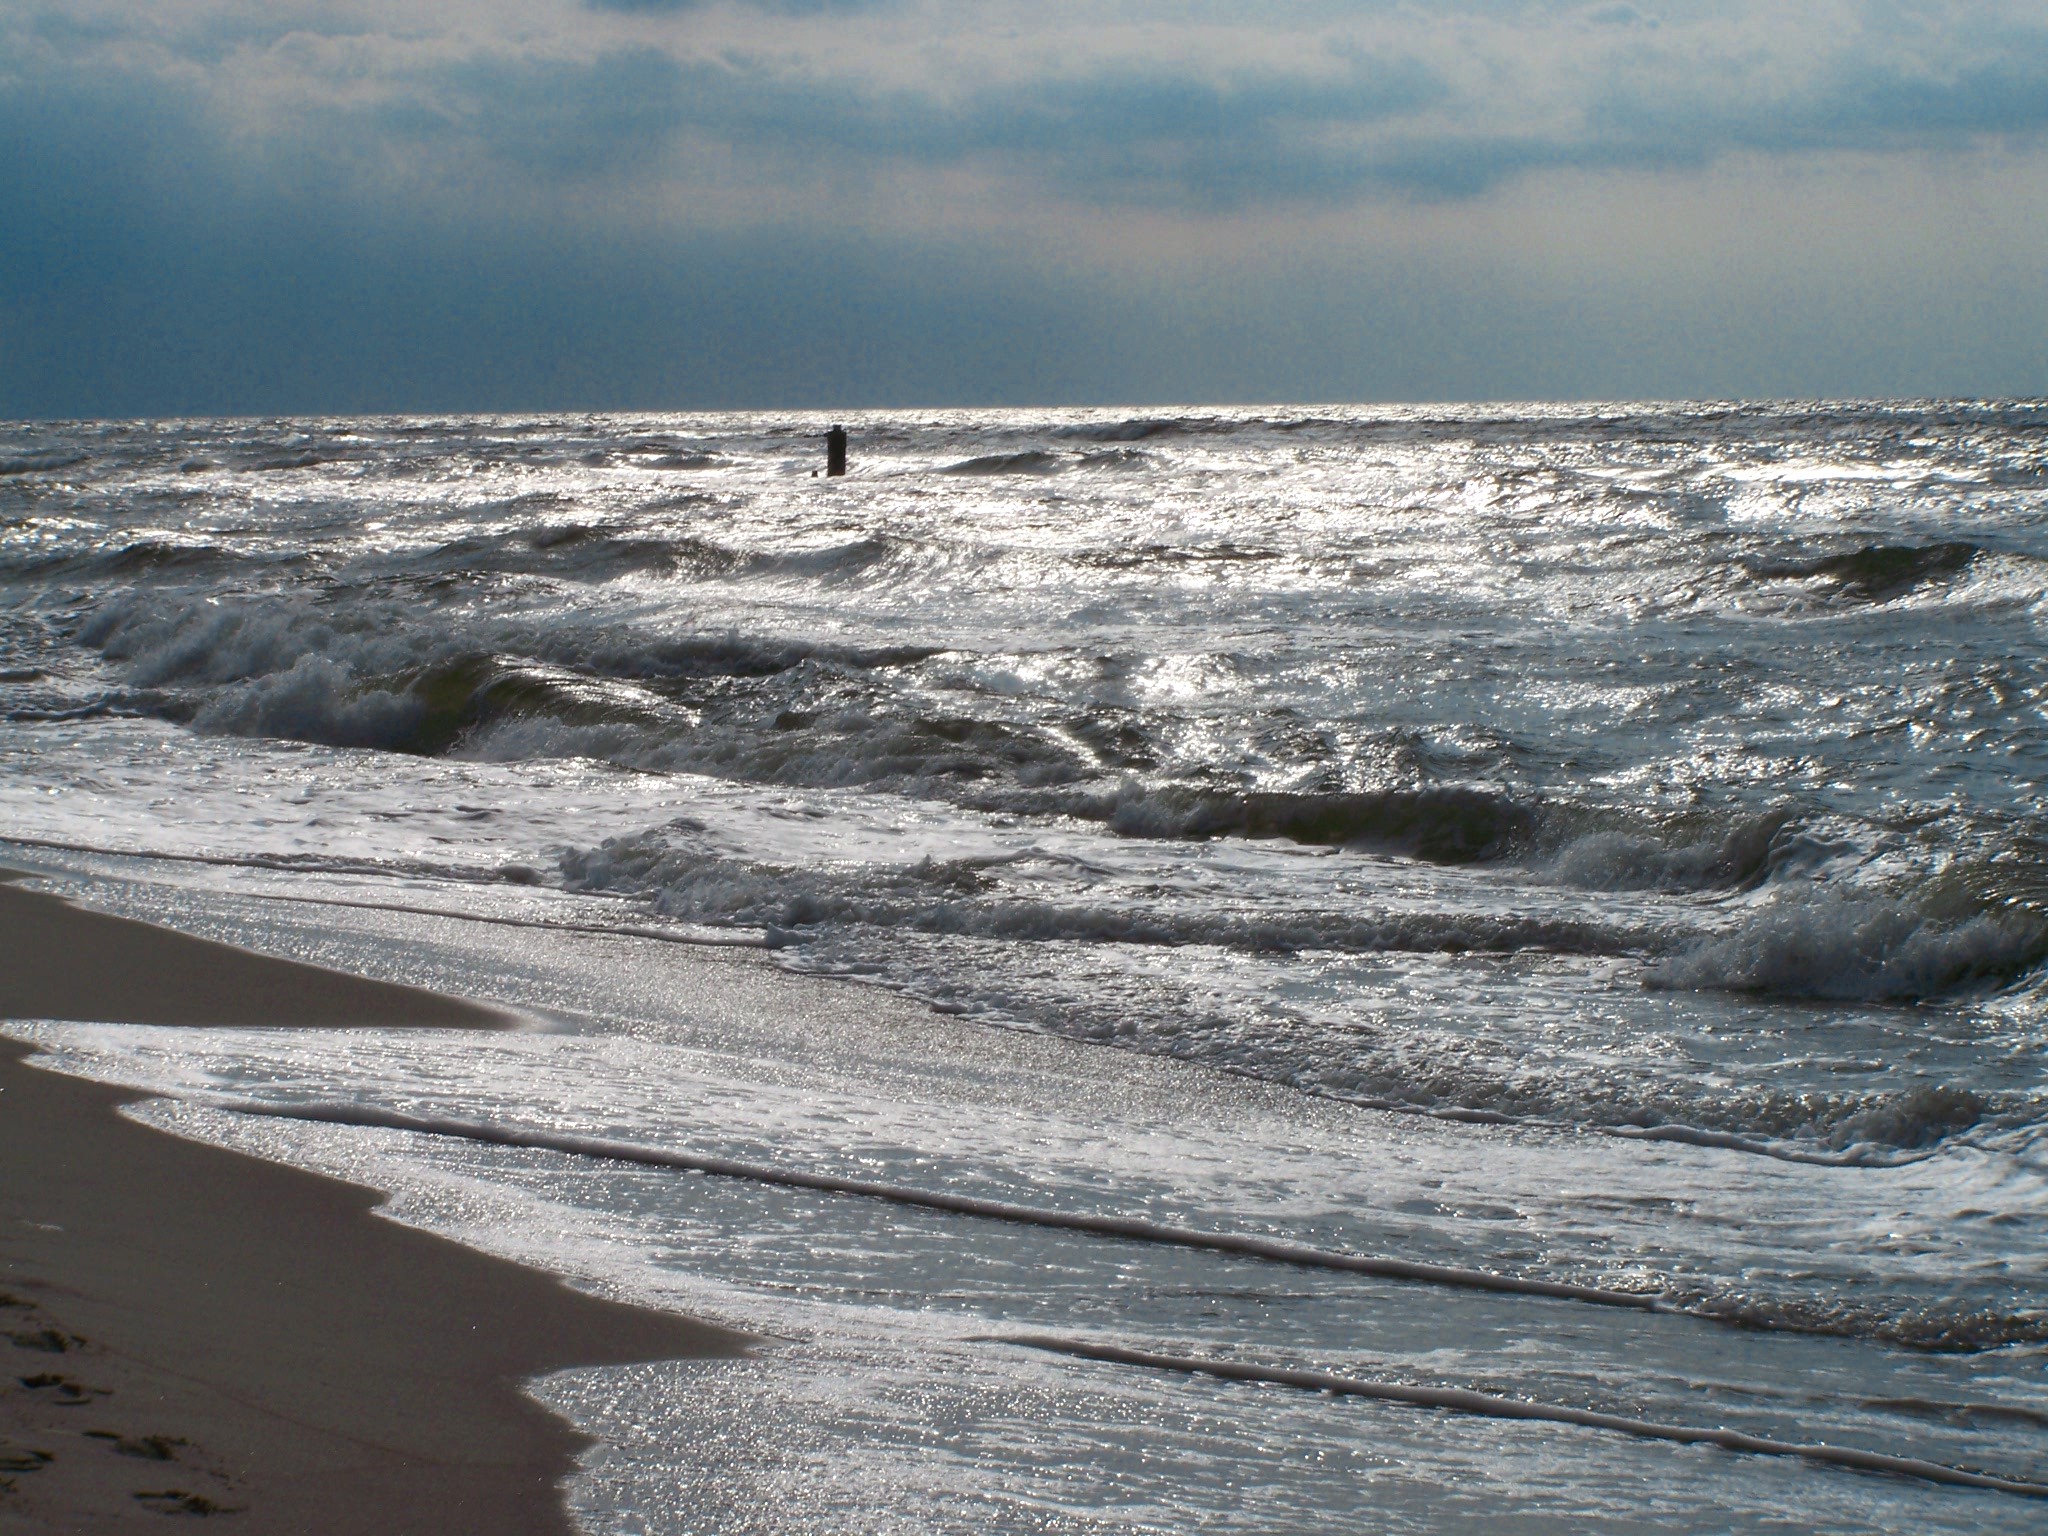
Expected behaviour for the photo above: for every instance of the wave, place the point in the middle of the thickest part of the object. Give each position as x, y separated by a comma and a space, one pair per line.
199, 641
1967, 1414
1933, 1327
660, 452
1117, 459
165, 557
606, 538
1522, 1410
1468, 1082
1032, 461
839, 562
959, 898
1446, 825
719, 655
1878, 573
768, 709
429, 711
1841, 946
580, 551
1139, 428
1927, 1328
371, 677
574, 551
285, 461
1433, 1071
1152, 556
41, 463
1109, 1224
1846, 1129
143, 558
148, 704
1685, 855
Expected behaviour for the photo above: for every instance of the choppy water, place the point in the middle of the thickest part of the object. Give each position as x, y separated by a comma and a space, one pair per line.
1602, 844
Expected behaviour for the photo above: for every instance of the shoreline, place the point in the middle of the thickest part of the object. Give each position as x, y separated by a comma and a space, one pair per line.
189, 1330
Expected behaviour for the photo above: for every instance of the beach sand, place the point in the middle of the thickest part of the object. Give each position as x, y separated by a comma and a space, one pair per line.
186, 1330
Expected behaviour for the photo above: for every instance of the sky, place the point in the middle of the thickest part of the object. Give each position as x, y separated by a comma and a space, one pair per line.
280, 207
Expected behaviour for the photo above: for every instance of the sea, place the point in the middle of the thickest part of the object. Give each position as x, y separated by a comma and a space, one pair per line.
1240, 970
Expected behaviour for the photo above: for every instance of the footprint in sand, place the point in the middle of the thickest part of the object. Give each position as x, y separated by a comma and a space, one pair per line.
64, 1392
143, 1447
176, 1501
49, 1340
19, 1459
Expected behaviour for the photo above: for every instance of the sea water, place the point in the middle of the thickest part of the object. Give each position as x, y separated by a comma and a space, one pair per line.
1599, 846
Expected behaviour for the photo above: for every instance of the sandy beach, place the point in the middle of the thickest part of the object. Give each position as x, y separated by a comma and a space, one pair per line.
189, 1331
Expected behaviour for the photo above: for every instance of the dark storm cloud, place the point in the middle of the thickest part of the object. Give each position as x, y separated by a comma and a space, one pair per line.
1152, 135
1136, 137
225, 205
143, 272
1130, 136
557, 117
1193, 109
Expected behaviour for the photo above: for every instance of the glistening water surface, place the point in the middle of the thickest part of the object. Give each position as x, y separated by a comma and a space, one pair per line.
1596, 845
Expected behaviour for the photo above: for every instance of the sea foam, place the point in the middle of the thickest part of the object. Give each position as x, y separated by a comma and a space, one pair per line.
1845, 946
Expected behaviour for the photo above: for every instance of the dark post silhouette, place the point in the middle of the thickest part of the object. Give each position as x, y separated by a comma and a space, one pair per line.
835, 450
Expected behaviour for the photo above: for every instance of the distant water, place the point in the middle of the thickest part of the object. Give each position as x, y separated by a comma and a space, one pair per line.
1632, 808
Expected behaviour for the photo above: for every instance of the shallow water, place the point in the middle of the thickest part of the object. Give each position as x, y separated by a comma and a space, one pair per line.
1593, 845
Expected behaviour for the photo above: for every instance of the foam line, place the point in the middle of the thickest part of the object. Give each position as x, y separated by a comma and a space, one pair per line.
1691, 1136
1128, 1228
288, 863
700, 938
1486, 1405
1854, 1157
1937, 1408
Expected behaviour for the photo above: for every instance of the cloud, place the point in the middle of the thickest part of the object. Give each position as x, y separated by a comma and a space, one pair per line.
1862, 99
1144, 106
265, 204
782, 7
559, 118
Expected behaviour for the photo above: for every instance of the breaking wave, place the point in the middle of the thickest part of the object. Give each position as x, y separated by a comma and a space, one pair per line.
427, 711
577, 552
1442, 825
1842, 946
959, 898
1139, 428
41, 463
1689, 854
904, 925
201, 642
1877, 573
809, 713
1032, 461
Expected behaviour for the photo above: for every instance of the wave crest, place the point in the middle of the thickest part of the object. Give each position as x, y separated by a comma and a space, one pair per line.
1877, 573
1444, 825
1855, 947
1032, 461
1736, 856
959, 898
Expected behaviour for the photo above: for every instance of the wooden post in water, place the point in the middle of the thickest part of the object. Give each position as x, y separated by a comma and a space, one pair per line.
835, 450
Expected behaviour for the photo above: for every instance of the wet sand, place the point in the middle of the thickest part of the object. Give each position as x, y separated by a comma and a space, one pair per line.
184, 1330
